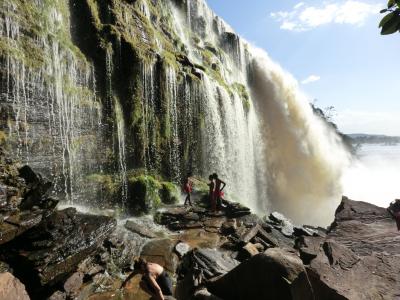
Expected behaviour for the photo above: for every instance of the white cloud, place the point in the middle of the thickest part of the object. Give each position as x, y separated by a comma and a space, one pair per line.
298, 5
304, 17
311, 78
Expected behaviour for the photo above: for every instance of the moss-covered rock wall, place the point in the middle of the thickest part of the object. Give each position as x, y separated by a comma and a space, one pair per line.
92, 90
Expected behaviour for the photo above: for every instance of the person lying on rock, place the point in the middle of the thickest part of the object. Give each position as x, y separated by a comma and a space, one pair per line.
155, 280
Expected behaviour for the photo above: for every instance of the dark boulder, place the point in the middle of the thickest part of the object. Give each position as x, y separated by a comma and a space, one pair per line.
275, 274
338, 273
17, 222
36, 191
48, 252
30, 177
235, 210
199, 266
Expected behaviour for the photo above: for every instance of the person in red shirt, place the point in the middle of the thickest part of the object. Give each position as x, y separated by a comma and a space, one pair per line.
187, 188
218, 194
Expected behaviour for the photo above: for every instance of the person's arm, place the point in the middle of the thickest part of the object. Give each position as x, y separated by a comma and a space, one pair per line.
158, 293
223, 185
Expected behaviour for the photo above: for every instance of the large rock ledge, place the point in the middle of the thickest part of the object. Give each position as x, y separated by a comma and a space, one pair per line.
38, 244
57, 245
357, 258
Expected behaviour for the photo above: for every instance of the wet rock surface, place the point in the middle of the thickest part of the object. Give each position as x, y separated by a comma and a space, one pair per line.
359, 257
55, 247
161, 251
179, 218
365, 228
23, 199
40, 245
139, 229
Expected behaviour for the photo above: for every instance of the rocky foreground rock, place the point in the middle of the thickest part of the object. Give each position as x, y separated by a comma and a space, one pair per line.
357, 258
40, 245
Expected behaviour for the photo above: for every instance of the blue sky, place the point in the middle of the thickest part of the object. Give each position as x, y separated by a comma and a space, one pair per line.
335, 49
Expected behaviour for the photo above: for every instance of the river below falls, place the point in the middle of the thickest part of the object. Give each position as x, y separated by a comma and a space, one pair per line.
375, 176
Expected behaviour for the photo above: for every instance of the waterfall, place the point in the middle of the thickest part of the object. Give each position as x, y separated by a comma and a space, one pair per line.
148, 114
304, 157
277, 155
180, 92
119, 117
172, 121
48, 95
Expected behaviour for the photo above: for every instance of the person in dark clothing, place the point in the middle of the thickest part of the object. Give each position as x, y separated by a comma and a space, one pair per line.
155, 279
394, 210
211, 195
219, 186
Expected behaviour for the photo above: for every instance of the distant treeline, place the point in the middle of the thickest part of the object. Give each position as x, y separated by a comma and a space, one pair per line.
359, 138
347, 140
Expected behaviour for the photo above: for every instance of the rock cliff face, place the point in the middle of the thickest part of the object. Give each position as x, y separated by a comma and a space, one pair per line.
91, 90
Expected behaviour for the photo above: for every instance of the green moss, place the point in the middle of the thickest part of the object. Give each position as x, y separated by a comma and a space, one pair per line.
217, 76
170, 59
94, 9
110, 184
169, 193
22, 50
158, 217
3, 137
134, 28
144, 191
36, 23
243, 94
208, 57
196, 39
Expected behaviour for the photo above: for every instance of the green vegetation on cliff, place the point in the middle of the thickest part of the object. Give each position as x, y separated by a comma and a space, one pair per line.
145, 192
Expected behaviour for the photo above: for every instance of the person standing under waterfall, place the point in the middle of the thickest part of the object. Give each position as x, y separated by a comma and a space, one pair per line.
187, 188
218, 190
211, 194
